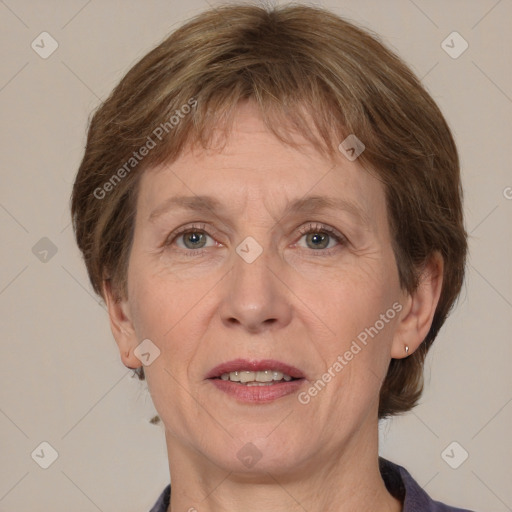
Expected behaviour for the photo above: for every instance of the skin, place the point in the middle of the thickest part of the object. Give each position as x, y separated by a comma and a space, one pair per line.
296, 303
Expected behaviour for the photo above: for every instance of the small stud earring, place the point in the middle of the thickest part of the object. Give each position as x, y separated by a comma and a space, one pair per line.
406, 350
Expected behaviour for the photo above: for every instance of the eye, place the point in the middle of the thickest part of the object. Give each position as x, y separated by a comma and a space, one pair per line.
320, 236
190, 238
193, 240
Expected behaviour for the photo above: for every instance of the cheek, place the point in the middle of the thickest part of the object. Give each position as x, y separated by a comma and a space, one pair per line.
171, 313
360, 313
158, 299
352, 298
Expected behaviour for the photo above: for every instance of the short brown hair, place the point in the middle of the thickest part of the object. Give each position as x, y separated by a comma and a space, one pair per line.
307, 69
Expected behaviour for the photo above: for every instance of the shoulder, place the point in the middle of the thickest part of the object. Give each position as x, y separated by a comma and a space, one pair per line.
402, 485
162, 504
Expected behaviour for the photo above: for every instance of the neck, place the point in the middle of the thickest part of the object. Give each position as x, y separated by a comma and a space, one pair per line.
347, 480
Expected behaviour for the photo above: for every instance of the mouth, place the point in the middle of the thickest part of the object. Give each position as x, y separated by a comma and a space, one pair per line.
256, 381
260, 378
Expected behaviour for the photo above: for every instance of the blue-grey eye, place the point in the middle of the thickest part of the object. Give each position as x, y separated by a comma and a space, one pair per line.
318, 240
194, 239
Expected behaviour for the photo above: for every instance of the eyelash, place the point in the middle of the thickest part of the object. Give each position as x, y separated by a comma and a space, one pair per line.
304, 230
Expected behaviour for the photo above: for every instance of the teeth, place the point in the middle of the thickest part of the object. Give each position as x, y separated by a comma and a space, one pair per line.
253, 378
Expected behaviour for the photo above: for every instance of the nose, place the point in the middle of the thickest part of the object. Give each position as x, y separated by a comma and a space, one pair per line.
255, 298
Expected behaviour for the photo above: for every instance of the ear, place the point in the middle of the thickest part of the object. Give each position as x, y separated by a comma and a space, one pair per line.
419, 308
121, 326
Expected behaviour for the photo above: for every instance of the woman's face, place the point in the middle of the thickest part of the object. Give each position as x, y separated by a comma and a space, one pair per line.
313, 286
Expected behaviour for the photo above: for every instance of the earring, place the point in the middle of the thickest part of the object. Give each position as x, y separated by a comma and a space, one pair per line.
406, 350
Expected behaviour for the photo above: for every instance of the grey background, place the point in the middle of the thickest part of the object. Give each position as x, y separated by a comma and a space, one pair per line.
62, 380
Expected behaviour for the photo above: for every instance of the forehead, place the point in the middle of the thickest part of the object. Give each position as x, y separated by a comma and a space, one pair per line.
254, 169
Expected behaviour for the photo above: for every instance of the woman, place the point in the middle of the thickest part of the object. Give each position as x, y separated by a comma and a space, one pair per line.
270, 205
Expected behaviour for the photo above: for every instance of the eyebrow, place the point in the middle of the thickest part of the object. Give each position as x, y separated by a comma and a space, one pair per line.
308, 205
201, 204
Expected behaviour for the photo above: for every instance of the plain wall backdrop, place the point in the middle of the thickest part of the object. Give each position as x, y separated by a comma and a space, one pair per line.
62, 381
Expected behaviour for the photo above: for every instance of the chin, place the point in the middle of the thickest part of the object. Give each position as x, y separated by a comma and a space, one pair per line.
257, 455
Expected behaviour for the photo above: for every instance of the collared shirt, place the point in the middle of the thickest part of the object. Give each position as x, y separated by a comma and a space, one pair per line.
399, 483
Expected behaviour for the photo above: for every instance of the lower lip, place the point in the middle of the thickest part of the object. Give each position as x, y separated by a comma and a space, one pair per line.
257, 394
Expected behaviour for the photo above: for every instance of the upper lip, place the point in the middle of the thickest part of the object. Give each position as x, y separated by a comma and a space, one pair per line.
254, 366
